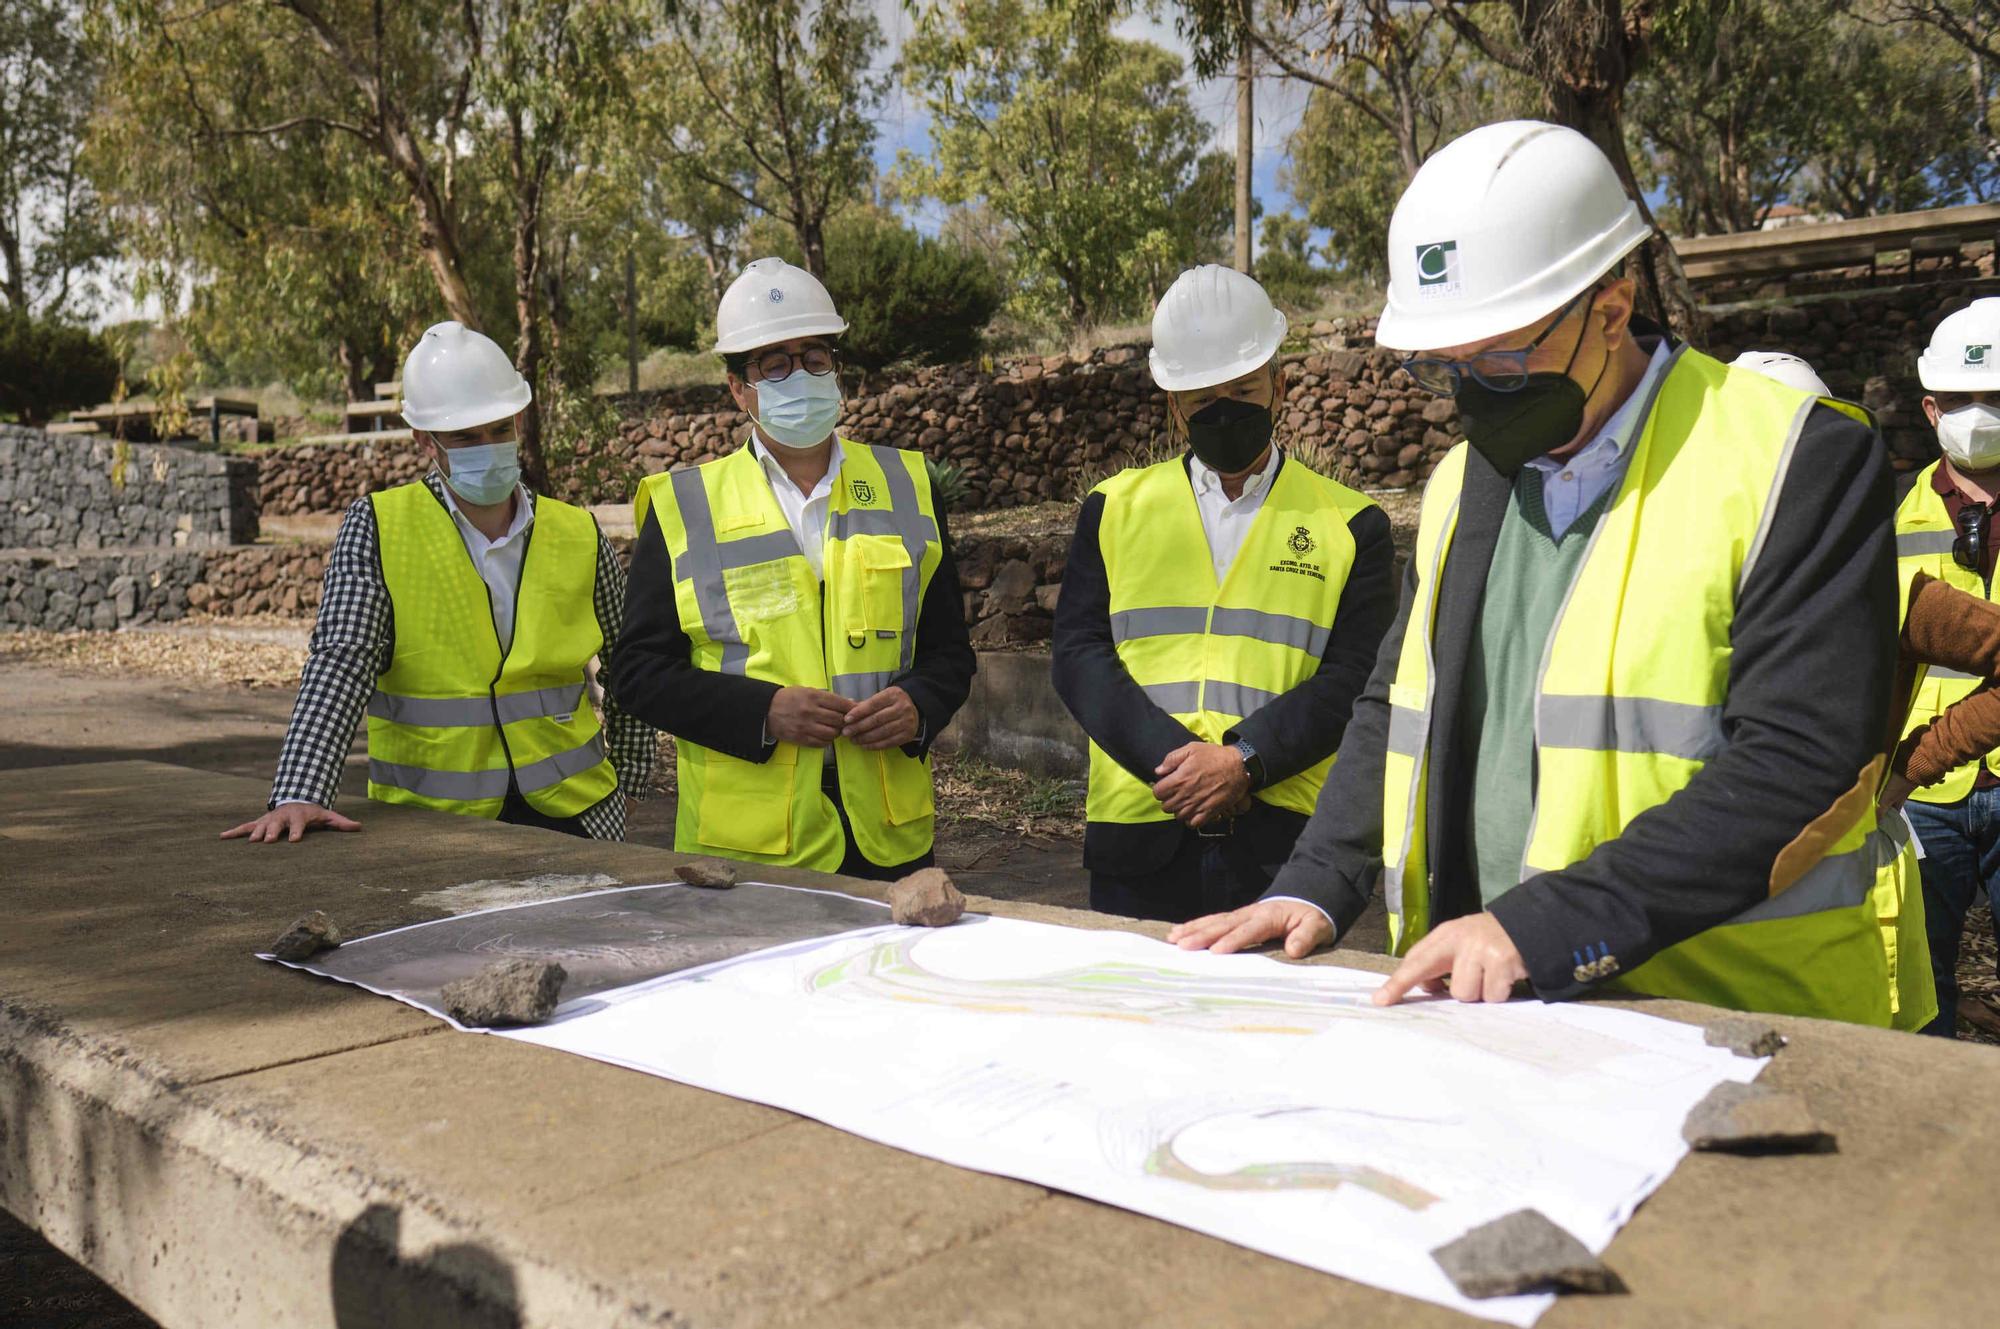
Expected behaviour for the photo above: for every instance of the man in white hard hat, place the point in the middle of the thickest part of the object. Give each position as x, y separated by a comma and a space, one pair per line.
1626, 728
794, 617
1945, 530
1786, 368
1219, 613
462, 611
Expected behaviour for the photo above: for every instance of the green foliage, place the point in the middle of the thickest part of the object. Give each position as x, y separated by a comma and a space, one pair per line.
949, 486
48, 366
905, 296
770, 105
1285, 264
1084, 144
51, 229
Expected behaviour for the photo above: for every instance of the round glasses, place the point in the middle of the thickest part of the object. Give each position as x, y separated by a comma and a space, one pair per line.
773, 365
1497, 371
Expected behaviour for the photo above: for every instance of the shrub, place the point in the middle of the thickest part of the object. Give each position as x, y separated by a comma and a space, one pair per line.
905, 296
46, 367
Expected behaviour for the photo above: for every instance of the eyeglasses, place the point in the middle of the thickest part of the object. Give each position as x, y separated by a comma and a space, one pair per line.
773, 365
1969, 549
1501, 371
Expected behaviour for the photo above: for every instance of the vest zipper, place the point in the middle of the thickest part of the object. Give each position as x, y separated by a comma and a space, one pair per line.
506, 652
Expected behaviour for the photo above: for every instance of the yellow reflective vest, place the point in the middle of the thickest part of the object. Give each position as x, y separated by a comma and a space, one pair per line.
455, 719
1210, 655
1630, 702
750, 605
1924, 536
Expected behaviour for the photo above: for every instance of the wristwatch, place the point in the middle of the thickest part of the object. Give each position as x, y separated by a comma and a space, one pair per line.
1253, 765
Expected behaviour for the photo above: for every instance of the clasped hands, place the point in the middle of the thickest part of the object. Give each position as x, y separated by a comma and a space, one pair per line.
814, 717
1202, 782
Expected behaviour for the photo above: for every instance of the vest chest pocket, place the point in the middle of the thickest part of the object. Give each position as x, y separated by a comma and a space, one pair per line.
873, 575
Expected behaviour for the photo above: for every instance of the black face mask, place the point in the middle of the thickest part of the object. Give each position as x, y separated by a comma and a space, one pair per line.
1228, 435
1511, 429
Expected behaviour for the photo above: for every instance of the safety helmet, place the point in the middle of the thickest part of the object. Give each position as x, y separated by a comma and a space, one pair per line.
1788, 369
1501, 227
1213, 325
771, 301
455, 378
1964, 354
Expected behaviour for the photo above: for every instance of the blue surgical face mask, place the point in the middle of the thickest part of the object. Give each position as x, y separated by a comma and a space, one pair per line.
800, 409
484, 473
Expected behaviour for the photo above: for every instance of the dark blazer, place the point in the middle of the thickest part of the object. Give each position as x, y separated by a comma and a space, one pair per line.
654, 676
1814, 652
1291, 733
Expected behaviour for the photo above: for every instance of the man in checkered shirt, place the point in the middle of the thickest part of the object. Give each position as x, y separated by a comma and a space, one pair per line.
478, 704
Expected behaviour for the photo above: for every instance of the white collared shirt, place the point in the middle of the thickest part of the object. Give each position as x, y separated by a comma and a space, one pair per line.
1571, 485
1225, 520
498, 560
804, 513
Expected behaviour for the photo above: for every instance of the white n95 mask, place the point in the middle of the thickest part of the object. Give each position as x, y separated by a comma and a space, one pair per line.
1970, 436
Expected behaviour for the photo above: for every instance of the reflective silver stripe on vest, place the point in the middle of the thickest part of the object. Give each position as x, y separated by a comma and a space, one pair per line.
860, 687
701, 563
754, 549
1278, 629
1913, 544
1939, 671
1408, 727
1223, 698
1630, 724
1162, 621
475, 712
862, 521
1175, 698
554, 770
449, 786
1839, 881
917, 530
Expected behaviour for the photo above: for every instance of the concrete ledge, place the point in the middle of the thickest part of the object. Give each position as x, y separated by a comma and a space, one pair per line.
1014, 718
231, 1144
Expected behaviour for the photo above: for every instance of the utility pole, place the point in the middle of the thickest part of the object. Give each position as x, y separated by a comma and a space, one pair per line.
631, 323
1246, 83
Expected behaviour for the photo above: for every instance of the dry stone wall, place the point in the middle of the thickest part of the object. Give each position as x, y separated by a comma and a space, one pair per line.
70, 492
1042, 428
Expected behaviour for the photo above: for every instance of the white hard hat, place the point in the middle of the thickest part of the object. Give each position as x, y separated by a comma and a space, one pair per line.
1501, 227
771, 301
1214, 324
1964, 354
1789, 370
455, 378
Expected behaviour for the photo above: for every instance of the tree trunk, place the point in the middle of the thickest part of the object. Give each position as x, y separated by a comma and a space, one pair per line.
528, 313
812, 239
1246, 140
353, 372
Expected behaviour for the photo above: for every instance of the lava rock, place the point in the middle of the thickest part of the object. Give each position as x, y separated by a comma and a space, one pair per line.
926, 899
1749, 1119
1523, 1252
306, 938
707, 873
1746, 1038
517, 991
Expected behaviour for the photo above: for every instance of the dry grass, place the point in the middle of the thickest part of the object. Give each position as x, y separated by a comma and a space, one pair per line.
1052, 518
192, 657
1011, 801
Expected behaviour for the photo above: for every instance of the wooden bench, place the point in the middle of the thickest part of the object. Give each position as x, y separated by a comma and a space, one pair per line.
366, 417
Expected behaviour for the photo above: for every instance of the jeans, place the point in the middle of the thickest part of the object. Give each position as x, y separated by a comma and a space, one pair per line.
1961, 861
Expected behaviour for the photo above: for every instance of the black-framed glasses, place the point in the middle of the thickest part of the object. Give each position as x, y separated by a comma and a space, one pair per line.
775, 364
1969, 549
1500, 371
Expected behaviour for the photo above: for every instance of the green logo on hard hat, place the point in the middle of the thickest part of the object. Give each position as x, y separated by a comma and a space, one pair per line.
1437, 268
1976, 355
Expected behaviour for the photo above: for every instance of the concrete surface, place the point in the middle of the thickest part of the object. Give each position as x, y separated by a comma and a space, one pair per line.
1014, 718
229, 1143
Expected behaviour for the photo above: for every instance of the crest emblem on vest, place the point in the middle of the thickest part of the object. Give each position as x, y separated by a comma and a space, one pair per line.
1975, 356
863, 491
1301, 541
1437, 269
